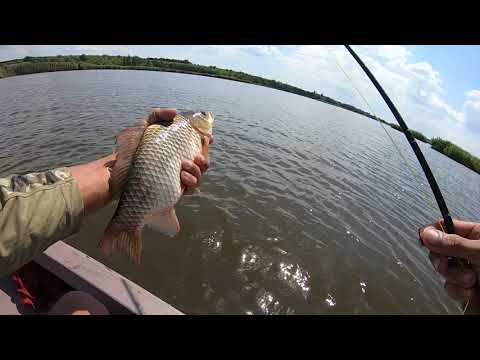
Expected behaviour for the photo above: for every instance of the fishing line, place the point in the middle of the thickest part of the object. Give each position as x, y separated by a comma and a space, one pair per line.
423, 193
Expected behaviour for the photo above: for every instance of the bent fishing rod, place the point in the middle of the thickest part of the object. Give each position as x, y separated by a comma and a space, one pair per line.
450, 228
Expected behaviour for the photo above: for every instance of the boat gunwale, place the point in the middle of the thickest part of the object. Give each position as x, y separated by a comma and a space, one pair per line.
119, 294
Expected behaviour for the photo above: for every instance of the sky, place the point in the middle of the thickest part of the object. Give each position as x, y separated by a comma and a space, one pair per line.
435, 88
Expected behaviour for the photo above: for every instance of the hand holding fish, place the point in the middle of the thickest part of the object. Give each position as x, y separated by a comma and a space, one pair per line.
465, 244
191, 170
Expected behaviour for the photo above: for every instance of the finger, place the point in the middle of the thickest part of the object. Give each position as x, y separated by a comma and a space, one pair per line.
210, 139
465, 229
189, 191
161, 114
459, 293
201, 162
436, 225
450, 244
205, 146
188, 180
453, 274
439, 262
193, 169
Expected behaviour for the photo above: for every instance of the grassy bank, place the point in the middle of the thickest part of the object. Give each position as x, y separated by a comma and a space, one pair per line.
447, 148
416, 134
30, 65
456, 153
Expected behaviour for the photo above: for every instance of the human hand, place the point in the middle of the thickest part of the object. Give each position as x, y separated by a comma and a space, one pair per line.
465, 244
192, 170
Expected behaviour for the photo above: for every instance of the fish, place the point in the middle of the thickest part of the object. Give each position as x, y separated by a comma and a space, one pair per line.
147, 170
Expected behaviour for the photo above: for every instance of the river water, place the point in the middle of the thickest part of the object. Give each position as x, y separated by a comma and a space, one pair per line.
306, 209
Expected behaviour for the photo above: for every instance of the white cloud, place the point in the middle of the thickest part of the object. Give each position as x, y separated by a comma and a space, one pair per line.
259, 50
268, 50
415, 87
394, 52
9, 52
103, 49
473, 94
472, 111
386, 52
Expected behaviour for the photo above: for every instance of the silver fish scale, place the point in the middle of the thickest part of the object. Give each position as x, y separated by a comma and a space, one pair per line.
154, 178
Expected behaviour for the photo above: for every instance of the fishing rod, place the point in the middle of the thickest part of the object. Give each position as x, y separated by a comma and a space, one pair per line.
447, 219
450, 228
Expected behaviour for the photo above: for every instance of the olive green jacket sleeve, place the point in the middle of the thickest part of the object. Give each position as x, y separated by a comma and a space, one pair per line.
36, 210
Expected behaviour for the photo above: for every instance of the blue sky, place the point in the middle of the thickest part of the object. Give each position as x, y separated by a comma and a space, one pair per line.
436, 88
458, 65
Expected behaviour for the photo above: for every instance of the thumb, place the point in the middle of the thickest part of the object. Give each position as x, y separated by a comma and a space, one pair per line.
451, 244
158, 115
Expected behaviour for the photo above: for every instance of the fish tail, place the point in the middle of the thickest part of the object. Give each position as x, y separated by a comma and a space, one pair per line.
128, 241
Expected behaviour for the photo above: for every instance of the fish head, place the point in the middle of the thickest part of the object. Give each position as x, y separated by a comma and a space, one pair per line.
203, 122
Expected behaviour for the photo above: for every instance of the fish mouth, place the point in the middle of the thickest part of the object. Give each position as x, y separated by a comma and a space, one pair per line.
202, 121
199, 113
188, 114
204, 115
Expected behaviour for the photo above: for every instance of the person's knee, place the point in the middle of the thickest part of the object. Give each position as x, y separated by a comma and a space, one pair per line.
78, 303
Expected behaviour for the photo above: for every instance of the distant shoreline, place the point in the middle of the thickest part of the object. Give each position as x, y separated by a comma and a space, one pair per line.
32, 65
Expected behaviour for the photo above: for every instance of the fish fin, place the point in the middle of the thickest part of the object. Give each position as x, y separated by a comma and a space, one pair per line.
127, 144
178, 118
164, 221
129, 242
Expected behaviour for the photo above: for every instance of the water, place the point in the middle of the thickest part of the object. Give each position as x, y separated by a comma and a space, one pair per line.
306, 209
